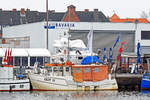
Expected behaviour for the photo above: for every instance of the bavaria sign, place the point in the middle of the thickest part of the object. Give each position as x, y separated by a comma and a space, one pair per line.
59, 25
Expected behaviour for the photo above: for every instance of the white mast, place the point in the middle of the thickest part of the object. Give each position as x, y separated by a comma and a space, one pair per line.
47, 24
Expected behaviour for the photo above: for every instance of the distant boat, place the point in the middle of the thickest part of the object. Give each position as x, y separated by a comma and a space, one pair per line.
9, 81
145, 83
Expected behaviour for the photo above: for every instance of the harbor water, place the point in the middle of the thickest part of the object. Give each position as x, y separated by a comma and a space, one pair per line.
76, 95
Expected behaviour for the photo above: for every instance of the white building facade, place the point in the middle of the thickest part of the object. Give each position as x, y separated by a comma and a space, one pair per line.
35, 33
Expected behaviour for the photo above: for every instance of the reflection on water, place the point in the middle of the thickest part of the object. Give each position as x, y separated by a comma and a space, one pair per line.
76, 95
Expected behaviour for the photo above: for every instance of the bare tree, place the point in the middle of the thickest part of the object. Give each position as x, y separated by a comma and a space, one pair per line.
144, 14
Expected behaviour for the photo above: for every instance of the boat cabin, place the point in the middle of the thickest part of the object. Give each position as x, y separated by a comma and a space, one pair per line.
58, 69
89, 72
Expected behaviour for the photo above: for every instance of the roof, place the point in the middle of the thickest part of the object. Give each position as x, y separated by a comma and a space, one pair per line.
130, 54
19, 52
38, 52
89, 16
116, 19
2, 53
26, 52
15, 18
9, 18
77, 43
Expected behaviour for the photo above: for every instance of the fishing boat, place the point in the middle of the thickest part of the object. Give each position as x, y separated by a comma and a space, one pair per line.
59, 77
90, 74
9, 81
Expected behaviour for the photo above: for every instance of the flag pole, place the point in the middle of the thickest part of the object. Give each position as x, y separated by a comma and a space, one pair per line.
92, 45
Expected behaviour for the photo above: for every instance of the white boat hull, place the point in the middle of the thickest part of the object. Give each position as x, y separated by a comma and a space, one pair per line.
14, 85
62, 83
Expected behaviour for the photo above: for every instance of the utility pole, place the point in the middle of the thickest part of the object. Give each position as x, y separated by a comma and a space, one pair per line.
47, 24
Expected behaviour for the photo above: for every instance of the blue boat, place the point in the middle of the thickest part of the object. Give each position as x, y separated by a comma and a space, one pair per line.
145, 82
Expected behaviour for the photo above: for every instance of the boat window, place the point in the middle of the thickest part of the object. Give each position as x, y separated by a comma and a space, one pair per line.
86, 70
53, 80
21, 86
60, 69
46, 59
24, 61
67, 69
13, 86
17, 61
80, 58
144, 60
1, 60
49, 69
40, 60
55, 69
32, 61
96, 69
77, 70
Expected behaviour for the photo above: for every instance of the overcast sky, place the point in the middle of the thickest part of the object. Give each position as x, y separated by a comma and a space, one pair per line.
124, 8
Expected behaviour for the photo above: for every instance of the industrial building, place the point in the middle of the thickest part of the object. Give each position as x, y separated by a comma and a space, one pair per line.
33, 35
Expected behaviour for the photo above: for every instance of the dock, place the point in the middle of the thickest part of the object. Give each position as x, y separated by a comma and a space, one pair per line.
127, 81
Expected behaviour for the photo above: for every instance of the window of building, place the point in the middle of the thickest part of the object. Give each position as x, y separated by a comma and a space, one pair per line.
145, 35
24, 61
40, 60
12, 61
132, 60
17, 61
32, 61
1, 60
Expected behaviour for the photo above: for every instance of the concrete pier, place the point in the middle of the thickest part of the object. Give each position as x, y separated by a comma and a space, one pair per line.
129, 81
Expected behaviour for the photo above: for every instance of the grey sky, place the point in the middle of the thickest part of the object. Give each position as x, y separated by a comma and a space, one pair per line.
124, 8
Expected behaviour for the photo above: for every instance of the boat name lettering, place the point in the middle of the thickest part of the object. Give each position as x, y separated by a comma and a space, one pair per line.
47, 79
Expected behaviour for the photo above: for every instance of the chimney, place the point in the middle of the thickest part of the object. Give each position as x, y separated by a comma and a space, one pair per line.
71, 8
28, 10
96, 19
95, 10
14, 10
22, 11
86, 10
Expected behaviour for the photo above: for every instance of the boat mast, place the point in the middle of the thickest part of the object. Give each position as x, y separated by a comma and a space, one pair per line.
47, 24
68, 55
